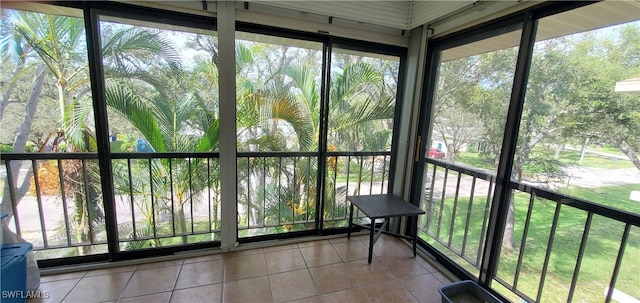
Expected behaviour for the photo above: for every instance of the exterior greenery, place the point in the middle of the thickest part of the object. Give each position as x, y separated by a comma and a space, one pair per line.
160, 100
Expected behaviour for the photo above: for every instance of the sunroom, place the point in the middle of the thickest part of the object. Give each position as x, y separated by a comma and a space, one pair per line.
137, 133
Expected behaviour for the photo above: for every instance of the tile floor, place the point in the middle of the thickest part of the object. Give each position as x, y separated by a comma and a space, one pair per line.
333, 270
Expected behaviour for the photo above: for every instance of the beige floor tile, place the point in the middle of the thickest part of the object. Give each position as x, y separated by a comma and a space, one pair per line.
211, 257
111, 270
247, 290
389, 246
366, 274
285, 260
280, 247
353, 295
428, 266
344, 239
314, 299
160, 264
391, 291
365, 238
331, 278
150, 281
320, 255
243, 252
201, 273
242, 267
403, 267
54, 291
72, 275
444, 279
205, 294
393, 276
162, 297
424, 288
313, 243
351, 251
292, 285
99, 288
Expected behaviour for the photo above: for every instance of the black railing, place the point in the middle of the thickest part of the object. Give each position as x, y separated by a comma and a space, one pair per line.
169, 199
353, 173
457, 200
442, 200
162, 199
50, 195
278, 191
166, 199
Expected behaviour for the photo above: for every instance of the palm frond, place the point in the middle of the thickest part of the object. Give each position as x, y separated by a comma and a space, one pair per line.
286, 108
127, 103
305, 80
129, 46
75, 124
346, 84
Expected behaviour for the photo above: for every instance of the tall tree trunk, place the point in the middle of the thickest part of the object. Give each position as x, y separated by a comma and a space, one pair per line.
12, 84
628, 150
558, 151
20, 142
182, 223
61, 100
507, 239
583, 150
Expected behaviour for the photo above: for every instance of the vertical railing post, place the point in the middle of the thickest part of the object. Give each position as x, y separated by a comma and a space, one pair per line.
322, 140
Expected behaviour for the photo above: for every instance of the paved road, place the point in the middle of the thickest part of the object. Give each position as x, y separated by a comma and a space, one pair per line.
599, 177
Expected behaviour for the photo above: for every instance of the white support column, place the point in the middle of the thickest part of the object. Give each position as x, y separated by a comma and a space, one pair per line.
405, 157
228, 140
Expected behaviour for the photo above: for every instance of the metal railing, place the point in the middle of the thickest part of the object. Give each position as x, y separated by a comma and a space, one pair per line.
166, 199
452, 195
457, 200
49, 196
353, 173
161, 199
278, 191
169, 199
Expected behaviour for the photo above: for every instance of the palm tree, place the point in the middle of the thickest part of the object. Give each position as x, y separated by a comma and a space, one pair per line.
57, 42
290, 98
175, 115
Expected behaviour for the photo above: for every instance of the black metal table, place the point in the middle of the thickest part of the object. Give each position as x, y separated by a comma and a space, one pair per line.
384, 207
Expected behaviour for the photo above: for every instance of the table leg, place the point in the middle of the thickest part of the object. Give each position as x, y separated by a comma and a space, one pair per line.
415, 234
373, 231
350, 221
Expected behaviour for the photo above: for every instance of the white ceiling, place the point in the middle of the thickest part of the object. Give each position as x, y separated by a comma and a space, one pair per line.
385, 21
388, 21
397, 14
391, 14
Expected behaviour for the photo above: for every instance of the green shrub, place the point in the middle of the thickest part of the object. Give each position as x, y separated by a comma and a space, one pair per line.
6, 148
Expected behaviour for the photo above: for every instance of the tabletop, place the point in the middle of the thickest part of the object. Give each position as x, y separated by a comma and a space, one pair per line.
384, 206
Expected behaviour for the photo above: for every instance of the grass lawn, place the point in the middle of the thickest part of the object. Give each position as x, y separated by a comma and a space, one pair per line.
606, 149
567, 157
592, 160
600, 253
474, 160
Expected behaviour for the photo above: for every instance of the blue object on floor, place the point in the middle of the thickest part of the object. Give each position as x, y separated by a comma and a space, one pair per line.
14, 272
